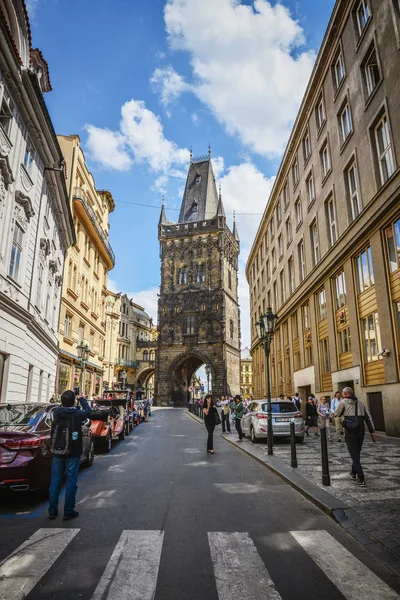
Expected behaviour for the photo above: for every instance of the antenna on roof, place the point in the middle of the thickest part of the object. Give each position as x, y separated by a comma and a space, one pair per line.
162, 201
209, 151
191, 154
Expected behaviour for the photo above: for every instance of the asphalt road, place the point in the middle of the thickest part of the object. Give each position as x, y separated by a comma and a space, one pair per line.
160, 518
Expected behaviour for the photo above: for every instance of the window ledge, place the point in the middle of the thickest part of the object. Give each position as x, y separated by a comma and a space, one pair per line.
68, 341
94, 315
280, 258
339, 88
372, 94
299, 224
85, 260
84, 305
326, 177
363, 33
286, 206
273, 269
77, 248
346, 141
96, 276
296, 185
307, 160
321, 129
288, 244
309, 206
71, 293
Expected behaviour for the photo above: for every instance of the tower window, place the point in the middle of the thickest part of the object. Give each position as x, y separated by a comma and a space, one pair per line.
189, 325
231, 328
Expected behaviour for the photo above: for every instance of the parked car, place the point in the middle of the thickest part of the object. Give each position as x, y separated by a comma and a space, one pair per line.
25, 459
108, 419
255, 420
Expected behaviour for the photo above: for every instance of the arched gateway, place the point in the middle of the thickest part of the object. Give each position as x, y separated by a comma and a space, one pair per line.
198, 311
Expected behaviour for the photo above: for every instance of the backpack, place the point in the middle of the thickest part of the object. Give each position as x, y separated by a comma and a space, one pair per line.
64, 438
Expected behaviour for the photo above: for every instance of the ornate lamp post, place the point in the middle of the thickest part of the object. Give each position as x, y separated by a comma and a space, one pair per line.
208, 371
124, 375
83, 354
265, 330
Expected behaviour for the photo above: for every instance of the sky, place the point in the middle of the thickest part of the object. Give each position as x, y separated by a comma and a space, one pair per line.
142, 81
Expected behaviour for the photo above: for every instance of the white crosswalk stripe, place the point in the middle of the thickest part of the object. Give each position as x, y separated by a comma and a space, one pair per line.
351, 576
132, 571
21, 571
238, 568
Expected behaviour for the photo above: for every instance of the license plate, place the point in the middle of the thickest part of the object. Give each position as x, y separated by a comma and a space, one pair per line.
282, 420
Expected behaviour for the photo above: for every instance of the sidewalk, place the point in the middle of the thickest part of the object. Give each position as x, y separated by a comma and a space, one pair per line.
371, 514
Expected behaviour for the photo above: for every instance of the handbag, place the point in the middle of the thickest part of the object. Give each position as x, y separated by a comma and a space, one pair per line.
217, 419
351, 423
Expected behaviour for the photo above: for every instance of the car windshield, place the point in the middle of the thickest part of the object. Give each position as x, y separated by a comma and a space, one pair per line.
280, 407
21, 414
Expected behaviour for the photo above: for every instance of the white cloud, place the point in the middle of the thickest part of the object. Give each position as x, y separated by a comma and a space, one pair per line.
146, 298
169, 84
140, 139
247, 63
31, 6
195, 118
218, 166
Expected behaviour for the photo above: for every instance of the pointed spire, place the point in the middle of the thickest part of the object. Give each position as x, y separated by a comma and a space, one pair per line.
209, 151
163, 219
220, 207
191, 154
235, 231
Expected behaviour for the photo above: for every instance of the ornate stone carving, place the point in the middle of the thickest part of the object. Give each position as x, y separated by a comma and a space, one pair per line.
26, 181
5, 171
5, 144
53, 266
24, 202
44, 247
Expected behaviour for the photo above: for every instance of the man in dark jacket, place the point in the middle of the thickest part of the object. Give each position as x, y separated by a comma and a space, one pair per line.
350, 406
68, 464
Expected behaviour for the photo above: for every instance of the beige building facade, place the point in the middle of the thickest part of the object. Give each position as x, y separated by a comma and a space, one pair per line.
84, 290
246, 373
326, 257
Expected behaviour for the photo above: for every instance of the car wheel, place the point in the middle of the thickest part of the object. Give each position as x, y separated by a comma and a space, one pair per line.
108, 443
299, 440
90, 457
122, 435
254, 439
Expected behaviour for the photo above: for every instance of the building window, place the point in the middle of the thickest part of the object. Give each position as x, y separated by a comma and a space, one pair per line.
295, 326
340, 290
283, 286
91, 341
288, 230
344, 340
278, 211
320, 113
325, 160
372, 75
365, 272
3, 360
384, 149
314, 242
298, 211
306, 316
306, 147
81, 333
295, 173
231, 329
321, 299
345, 124
29, 383
325, 361
182, 276
229, 280
271, 227
6, 112
393, 245
280, 245
291, 275
338, 71
362, 14
354, 191
310, 189
67, 326
28, 156
201, 275
371, 337
286, 194
275, 292
40, 285
302, 262
273, 259
189, 325
16, 252
331, 220
268, 268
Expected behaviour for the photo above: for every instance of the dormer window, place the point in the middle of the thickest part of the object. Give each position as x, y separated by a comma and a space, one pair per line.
195, 206
198, 179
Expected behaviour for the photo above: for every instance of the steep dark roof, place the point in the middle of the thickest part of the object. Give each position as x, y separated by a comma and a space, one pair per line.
200, 200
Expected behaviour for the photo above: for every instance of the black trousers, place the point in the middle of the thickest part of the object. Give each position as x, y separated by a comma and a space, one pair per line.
210, 428
225, 421
354, 443
238, 425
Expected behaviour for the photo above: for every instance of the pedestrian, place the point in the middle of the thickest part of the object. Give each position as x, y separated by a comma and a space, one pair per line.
324, 418
239, 412
337, 420
355, 415
225, 413
297, 400
311, 416
210, 412
66, 448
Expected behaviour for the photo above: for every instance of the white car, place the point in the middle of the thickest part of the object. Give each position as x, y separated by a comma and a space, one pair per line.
255, 420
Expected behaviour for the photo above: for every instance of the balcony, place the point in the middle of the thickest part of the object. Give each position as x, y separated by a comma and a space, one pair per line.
80, 198
124, 362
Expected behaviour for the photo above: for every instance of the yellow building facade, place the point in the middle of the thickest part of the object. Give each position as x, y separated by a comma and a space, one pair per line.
246, 373
84, 290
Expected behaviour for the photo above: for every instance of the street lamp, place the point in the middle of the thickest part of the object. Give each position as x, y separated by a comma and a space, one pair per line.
124, 375
265, 330
83, 354
208, 371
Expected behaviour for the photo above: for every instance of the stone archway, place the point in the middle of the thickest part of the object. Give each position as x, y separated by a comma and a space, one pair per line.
181, 374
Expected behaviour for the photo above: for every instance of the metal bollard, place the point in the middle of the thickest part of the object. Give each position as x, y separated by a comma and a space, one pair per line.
293, 446
326, 479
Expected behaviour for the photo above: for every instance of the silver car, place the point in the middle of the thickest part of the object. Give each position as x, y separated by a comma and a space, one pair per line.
255, 421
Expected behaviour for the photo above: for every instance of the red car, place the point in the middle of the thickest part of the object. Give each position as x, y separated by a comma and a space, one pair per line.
108, 419
25, 459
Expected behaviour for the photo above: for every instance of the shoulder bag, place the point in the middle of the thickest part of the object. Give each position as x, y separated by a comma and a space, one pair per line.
217, 419
351, 423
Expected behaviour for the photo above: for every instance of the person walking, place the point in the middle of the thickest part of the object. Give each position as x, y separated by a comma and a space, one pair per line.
324, 418
239, 412
225, 414
355, 415
337, 420
66, 448
210, 411
311, 416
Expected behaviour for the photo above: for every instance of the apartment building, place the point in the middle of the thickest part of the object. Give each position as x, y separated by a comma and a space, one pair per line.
246, 373
87, 263
326, 256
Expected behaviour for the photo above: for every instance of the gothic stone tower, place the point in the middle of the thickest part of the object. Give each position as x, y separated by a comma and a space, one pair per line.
198, 311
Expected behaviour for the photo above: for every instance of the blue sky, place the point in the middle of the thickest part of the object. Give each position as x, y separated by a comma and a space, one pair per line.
184, 73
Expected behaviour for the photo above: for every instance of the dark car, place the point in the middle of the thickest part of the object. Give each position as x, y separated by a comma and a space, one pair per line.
25, 459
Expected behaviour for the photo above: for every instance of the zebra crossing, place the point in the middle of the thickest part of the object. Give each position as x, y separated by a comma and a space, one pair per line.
239, 570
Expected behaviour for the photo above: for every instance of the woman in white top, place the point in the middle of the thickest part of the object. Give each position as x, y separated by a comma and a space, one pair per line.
324, 420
